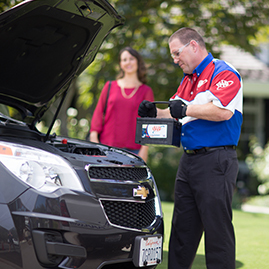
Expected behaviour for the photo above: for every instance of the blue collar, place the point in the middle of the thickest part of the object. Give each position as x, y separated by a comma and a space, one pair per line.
200, 68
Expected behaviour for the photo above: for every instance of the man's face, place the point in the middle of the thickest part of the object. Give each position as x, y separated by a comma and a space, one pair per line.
182, 55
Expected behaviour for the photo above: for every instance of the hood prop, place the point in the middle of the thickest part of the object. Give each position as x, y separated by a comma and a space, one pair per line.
56, 114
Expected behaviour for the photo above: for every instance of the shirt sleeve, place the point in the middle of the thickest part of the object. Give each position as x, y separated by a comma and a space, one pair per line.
97, 118
149, 96
225, 89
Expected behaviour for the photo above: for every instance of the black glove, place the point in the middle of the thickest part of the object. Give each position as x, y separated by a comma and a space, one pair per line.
178, 109
147, 109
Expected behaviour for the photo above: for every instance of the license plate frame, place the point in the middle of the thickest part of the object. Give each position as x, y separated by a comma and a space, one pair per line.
148, 250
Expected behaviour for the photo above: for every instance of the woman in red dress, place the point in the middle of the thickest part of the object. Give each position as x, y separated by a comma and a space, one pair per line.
126, 93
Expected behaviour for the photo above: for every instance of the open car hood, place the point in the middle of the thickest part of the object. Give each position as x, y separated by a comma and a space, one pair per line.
44, 44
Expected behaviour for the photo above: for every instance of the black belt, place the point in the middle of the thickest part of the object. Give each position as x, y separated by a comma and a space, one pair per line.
206, 149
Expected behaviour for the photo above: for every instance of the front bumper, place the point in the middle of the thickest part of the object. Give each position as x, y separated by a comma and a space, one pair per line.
70, 230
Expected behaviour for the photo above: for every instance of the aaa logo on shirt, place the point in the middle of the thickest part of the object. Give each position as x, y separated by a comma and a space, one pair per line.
223, 84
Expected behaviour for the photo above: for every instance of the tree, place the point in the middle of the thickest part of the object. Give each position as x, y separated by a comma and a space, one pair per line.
6, 4
257, 162
149, 23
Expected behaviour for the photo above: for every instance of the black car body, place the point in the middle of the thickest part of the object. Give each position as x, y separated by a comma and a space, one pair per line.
65, 203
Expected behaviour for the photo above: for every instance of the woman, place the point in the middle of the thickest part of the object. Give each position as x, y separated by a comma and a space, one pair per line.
126, 93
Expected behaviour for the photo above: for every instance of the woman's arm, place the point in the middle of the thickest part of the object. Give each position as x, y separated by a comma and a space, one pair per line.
143, 153
94, 137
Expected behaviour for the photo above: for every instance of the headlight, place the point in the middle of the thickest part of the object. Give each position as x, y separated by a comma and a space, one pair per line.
158, 205
41, 170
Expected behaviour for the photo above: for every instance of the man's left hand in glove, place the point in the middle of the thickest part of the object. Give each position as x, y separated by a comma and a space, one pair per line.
178, 109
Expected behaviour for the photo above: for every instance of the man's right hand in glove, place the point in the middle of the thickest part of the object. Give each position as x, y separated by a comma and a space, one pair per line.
178, 109
147, 109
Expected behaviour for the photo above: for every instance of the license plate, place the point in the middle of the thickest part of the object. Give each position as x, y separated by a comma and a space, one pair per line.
147, 251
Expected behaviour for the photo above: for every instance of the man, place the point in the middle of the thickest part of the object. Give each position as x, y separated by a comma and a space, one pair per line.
209, 104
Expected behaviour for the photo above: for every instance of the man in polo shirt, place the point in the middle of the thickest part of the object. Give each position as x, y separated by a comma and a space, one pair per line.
208, 103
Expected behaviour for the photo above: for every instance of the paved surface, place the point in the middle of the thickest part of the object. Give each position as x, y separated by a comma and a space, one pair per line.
6, 265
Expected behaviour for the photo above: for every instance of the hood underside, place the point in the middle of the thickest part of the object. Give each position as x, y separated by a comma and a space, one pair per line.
44, 44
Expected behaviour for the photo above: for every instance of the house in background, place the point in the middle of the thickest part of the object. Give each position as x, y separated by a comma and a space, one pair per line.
255, 74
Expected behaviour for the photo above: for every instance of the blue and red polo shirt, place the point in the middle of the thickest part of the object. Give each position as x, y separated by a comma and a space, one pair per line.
212, 81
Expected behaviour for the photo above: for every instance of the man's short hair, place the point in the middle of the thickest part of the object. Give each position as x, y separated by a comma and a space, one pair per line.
186, 34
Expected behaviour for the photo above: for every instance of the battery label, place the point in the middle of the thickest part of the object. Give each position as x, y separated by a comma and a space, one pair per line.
154, 130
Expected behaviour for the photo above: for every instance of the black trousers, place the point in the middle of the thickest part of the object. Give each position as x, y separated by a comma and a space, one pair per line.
203, 196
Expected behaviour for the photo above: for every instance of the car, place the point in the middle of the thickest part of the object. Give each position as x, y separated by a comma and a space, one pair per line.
65, 202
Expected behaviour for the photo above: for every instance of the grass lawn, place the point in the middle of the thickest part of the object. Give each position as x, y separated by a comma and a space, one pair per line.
252, 240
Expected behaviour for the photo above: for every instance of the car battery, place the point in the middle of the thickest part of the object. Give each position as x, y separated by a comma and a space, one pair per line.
158, 131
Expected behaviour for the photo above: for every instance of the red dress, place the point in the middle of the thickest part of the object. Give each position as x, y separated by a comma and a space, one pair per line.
120, 120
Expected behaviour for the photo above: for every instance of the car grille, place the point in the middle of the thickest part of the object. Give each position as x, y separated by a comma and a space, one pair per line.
118, 173
130, 214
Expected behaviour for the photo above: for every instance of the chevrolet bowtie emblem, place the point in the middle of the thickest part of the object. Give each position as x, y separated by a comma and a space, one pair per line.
141, 192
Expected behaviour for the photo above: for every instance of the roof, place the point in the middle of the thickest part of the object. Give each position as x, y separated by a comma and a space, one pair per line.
254, 72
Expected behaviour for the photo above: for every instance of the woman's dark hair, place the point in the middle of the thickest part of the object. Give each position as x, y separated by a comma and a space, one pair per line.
141, 70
